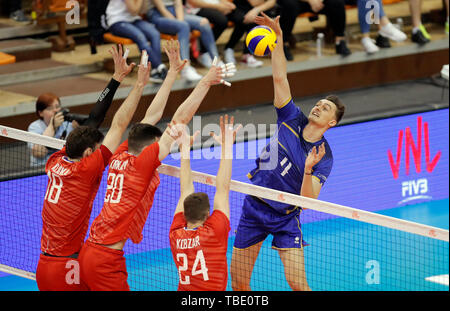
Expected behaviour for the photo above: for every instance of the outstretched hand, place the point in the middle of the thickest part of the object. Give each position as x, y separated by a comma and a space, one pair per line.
172, 50
217, 73
273, 23
227, 135
121, 68
144, 73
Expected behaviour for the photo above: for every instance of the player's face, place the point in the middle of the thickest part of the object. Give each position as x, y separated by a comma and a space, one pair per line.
50, 111
323, 113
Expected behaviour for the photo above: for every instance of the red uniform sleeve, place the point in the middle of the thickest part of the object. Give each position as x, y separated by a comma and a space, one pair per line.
106, 153
178, 221
220, 224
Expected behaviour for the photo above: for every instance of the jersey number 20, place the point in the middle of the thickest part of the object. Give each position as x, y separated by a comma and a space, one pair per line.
199, 260
114, 188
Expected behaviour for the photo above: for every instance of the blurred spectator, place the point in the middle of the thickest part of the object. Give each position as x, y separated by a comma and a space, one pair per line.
169, 17
50, 123
419, 33
334, 11
124, 20
243, 17
216, 11
15, 11
386, 30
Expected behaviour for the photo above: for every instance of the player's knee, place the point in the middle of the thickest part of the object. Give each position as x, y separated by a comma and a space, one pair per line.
238, 281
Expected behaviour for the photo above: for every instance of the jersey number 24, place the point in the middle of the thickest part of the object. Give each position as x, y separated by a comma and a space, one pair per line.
199, 267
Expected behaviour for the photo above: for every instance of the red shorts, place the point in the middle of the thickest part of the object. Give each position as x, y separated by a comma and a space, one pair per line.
59, 274
103, 268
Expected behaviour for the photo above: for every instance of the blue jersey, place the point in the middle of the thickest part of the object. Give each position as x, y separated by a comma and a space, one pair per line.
281, 163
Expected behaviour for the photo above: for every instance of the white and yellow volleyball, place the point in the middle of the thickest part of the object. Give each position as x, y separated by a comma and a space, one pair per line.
261, 40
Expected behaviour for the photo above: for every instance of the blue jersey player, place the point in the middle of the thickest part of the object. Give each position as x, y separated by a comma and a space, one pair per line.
297, 160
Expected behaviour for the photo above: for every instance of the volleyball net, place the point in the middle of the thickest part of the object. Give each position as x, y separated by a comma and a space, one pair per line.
349, 248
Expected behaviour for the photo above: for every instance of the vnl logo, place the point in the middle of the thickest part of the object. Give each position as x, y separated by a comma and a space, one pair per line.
415, 148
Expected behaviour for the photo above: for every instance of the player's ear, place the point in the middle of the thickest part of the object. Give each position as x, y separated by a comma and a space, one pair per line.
87, 152
332, 123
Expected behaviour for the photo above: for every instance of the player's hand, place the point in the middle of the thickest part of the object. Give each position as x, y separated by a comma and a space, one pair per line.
121, 68
216, 73
172, 50
314, 157
273, 23
144, 74
227, 135
186, 139
57, 120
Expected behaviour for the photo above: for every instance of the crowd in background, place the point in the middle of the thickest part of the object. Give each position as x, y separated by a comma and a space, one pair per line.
144, 20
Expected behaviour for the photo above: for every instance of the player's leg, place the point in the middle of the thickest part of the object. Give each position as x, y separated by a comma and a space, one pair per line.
288, 240
249, 237
294, 268
241, 268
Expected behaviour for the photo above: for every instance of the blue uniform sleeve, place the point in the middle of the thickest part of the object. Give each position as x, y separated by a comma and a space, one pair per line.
287, 112
290, 111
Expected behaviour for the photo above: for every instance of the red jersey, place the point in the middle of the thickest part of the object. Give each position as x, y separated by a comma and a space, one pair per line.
71, 190
132, 182
200, 253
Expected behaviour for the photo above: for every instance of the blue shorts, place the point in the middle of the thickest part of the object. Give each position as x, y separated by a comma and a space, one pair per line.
258, 220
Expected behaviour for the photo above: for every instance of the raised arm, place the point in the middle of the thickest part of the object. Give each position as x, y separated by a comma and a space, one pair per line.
223, 179
124, 114
187, 109
121, 70
156, 108
186, 182
279, 68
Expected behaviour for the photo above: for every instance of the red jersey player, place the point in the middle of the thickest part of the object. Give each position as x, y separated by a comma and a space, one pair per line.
199, 241
74, 177
132, 182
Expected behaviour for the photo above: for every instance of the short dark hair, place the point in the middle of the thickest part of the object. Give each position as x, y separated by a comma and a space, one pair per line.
196, 207
340, 107
44, 101
142, 135
80, 139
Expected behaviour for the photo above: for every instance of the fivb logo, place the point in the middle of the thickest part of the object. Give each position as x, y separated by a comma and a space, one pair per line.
414, 189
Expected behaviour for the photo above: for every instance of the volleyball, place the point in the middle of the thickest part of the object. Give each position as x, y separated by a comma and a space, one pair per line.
261, 40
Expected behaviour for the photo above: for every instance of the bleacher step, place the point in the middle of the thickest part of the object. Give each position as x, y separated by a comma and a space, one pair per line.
43, 69
26, 49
